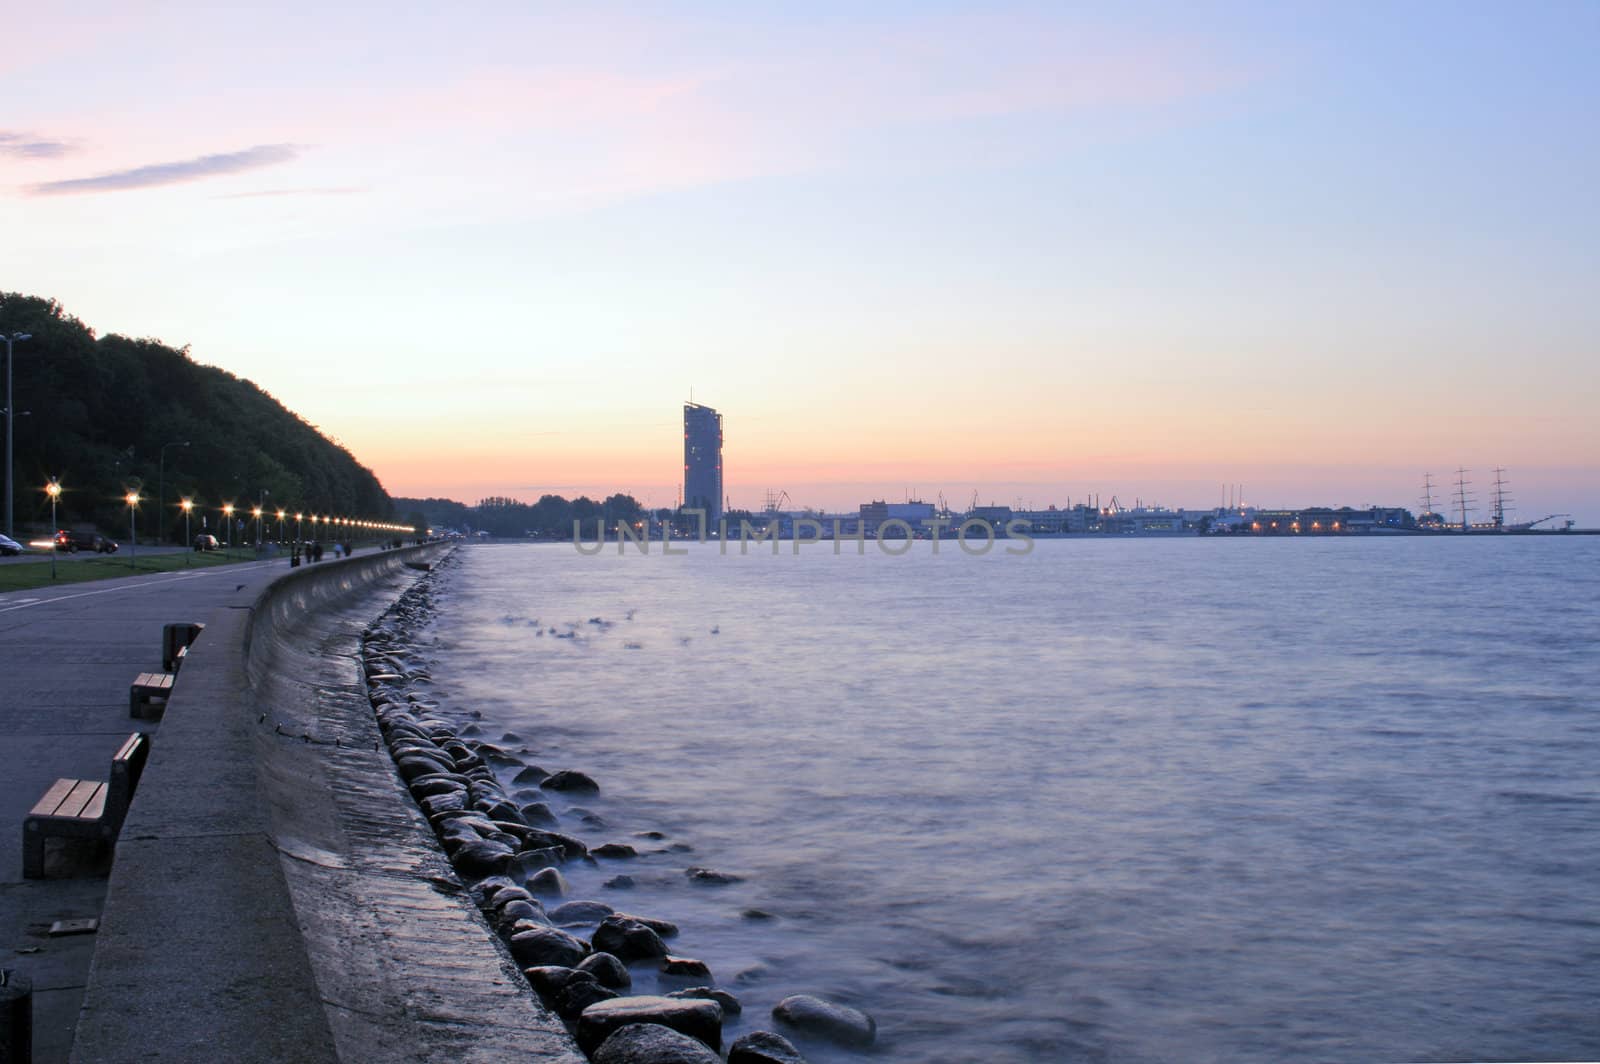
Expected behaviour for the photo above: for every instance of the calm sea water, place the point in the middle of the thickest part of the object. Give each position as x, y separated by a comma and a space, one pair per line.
1123, 800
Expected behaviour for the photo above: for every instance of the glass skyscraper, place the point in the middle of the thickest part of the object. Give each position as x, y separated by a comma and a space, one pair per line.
702, 460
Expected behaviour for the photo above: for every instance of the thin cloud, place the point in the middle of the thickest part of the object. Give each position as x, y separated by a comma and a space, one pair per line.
172, 173
27, 146
340, 190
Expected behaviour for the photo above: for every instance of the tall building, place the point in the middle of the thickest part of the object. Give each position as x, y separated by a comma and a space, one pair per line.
702, 460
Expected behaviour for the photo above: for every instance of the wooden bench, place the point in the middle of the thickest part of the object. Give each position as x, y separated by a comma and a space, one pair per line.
148, 687
88, 809
177, 660
174, 637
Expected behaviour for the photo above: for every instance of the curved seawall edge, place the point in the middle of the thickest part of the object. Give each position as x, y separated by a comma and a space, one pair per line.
276, 894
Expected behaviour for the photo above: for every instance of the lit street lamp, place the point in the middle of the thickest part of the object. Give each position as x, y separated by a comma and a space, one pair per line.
133, 528
256, 513
281, 516
227, 520
10, 339
53, 489
297, 537
187, 506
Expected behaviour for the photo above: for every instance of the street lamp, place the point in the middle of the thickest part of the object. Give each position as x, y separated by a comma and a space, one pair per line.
133, 527
53, 489
187, 505
227, 519
10, 339
297, 518
281, 516
256, 513
161, 491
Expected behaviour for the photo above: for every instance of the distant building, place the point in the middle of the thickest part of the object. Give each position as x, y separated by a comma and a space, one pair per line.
702, 460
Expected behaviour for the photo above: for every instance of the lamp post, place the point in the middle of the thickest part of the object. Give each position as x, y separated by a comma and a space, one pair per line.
297, 517
11, 339
133, 528
256, 513
53, 489
187, 505
227, 520
261, 504
161, 491
281, 516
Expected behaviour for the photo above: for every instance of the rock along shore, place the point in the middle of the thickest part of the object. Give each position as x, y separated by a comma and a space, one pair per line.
505, 845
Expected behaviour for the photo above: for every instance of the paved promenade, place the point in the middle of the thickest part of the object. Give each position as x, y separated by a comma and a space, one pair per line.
67, 656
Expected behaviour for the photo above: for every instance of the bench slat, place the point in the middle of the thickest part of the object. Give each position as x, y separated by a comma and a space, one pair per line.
81, 797
53, 798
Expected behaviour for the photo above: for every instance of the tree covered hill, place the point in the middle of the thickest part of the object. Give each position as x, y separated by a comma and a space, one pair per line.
549, 518
98, 412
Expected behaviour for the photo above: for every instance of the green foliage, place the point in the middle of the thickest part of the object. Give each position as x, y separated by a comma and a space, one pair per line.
102, 410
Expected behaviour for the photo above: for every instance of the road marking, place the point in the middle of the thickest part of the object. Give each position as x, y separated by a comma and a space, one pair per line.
30, 603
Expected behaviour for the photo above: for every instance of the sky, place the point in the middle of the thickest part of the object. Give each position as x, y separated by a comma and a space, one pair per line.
1027, 252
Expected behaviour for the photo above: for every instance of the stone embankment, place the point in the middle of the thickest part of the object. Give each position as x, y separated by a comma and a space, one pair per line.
276, 895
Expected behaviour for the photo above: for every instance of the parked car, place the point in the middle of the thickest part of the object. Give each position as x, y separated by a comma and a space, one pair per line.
206, 541
72, 542
9, 546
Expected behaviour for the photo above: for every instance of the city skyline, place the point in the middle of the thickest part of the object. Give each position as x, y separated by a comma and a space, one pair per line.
1318, 250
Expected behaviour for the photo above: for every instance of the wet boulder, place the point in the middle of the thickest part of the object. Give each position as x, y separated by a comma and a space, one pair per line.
664, 928
607, 971
412, 764
651, 1043
697, 1019
581, 991
685, 967
568, 845
541, 946
449, 801
437, 783
730, 1004
627, 939
581, 912
548, 978
530, 774
763, 1047
540, 857
837, 1023
711, 877
538, 814
549, 882
512, 913
481, 857
570, 781
492, 886
615, 849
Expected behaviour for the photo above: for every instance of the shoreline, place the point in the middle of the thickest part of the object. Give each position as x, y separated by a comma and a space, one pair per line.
487, 805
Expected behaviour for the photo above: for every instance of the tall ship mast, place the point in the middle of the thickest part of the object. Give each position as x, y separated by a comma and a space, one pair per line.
1502, 496
1463, 500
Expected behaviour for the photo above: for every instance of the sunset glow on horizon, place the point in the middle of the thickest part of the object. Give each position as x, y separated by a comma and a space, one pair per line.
1030, 253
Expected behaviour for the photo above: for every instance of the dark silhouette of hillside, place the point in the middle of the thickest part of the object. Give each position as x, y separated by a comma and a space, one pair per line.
100, 409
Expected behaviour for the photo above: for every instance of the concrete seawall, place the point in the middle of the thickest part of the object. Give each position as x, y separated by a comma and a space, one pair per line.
276, 895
